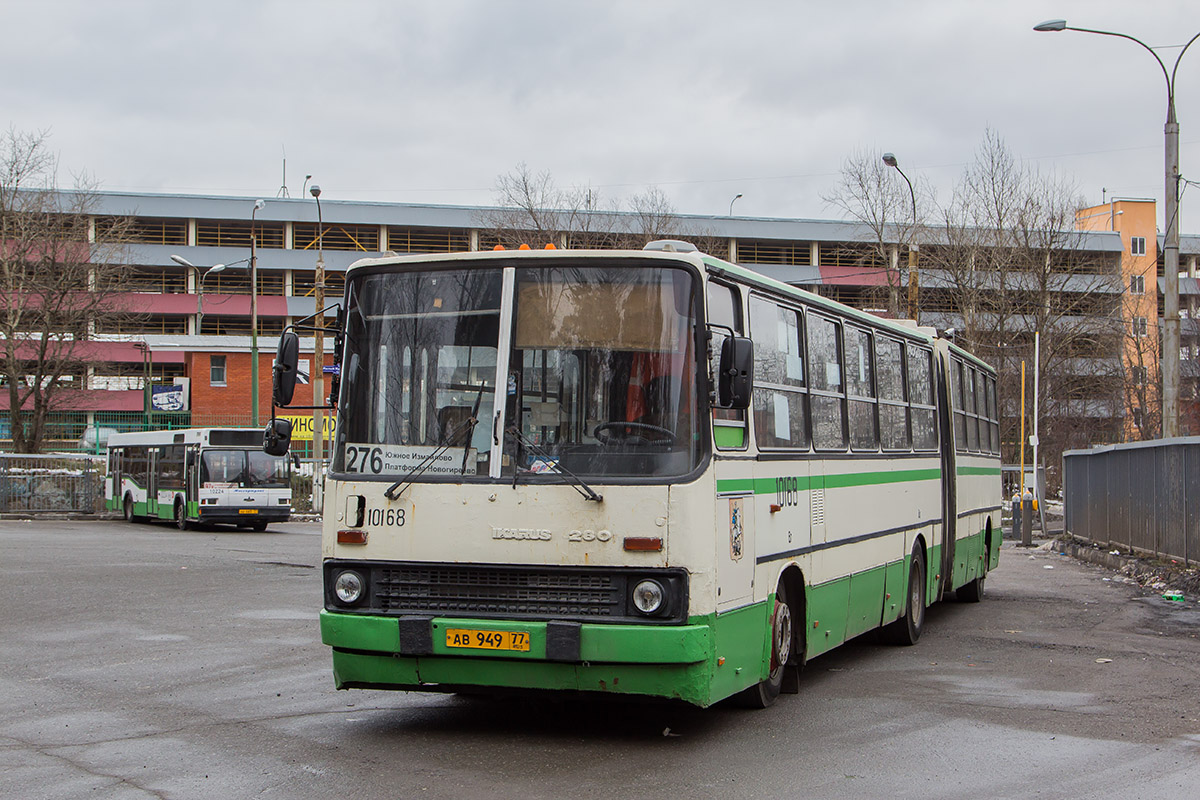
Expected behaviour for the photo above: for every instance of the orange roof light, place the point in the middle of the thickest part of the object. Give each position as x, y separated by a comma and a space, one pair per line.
498, 247
523, 247
550, 246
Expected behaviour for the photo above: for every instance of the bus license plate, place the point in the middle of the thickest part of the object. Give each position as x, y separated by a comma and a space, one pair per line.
247, 510
488, 640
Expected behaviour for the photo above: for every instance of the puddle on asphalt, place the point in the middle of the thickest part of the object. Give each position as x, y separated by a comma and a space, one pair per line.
279, 613
1017, 694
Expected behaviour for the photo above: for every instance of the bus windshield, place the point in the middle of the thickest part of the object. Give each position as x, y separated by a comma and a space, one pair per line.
242, 468
601, 378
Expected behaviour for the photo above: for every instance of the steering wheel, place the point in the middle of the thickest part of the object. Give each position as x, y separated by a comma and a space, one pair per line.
627, 433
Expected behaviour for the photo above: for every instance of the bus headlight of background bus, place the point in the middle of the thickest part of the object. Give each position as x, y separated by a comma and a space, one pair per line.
348, 587
648, 596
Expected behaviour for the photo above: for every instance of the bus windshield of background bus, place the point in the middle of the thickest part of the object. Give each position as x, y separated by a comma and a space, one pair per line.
601, 379
243, 468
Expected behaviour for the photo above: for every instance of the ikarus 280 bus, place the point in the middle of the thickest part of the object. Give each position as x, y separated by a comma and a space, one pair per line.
637, 472
198, 476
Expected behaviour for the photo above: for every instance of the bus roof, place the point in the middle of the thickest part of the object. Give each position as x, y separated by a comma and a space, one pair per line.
237, 437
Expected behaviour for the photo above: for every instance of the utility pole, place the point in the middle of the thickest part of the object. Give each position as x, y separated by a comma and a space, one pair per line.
318, 368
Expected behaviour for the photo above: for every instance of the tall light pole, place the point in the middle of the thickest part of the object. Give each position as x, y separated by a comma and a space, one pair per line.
1170, 337
731, 202
318, 369
913, 251
254, 316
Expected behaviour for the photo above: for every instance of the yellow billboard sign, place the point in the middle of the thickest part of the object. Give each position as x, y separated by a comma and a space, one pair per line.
302, 427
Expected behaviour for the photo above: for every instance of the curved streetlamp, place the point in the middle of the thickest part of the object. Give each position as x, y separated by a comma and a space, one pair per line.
913, 286
731, 202
1170, 343
201, 274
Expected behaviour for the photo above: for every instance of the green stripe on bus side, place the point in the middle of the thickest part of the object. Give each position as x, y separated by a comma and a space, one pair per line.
979, 471
844, 480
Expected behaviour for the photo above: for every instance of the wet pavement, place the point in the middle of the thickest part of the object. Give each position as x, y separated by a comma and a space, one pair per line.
141, 661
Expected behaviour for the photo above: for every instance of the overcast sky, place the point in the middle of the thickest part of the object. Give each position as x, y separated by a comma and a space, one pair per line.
430, 102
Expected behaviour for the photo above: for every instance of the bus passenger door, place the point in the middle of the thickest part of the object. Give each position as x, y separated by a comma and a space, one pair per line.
114, 475
735, 549
152, 482
191, 477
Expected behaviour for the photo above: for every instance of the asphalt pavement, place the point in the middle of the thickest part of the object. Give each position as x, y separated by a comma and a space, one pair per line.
140, 661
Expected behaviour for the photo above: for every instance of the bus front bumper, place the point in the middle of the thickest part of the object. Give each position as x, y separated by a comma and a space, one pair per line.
228, 515
412, 653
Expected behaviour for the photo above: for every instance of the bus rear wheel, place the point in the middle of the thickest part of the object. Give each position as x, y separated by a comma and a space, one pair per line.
259, 526
971, 592
907, 630
128, 507
181, 520
783, 638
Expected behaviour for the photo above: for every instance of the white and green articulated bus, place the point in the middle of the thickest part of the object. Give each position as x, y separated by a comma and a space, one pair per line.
637, 472
198, 476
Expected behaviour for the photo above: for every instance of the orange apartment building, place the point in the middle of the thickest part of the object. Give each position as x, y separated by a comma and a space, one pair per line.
1135, 220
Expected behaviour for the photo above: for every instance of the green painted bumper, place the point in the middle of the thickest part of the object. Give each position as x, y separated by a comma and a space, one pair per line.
672, 661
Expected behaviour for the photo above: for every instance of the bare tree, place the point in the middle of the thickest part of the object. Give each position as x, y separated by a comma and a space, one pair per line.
59, 272
1142, 377
874, 195
1012, 263
531, 209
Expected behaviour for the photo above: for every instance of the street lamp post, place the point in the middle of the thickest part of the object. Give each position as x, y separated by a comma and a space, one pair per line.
200, 276
731, 202
318, 369
254, 317
1170, 337
913, 251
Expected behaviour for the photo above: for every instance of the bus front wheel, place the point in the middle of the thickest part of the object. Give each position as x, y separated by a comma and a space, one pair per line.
783, 638
129, 509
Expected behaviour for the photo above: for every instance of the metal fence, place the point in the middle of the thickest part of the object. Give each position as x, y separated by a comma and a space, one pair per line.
1144, 495
44, 483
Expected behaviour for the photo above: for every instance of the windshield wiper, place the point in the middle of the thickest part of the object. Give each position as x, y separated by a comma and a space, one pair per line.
396, 489
588, 492
472, 421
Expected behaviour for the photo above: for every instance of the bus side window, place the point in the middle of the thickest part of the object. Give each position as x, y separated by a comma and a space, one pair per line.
893, 405
725, 309
780, 420
860, 385
920, 395
827, 387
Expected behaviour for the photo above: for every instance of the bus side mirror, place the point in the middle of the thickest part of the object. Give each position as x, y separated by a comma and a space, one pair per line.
277, 438
735, 377
287, 360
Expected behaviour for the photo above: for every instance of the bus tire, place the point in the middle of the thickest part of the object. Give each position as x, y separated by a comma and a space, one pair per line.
907, 630
259, 526
783, 639
972, 591
181, 520
128, 507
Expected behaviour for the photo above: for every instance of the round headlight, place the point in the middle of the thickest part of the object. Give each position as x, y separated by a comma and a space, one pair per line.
648, 596
348, 586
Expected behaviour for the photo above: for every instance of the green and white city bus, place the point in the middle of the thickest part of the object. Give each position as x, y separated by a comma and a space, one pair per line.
638, 472
198, 476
